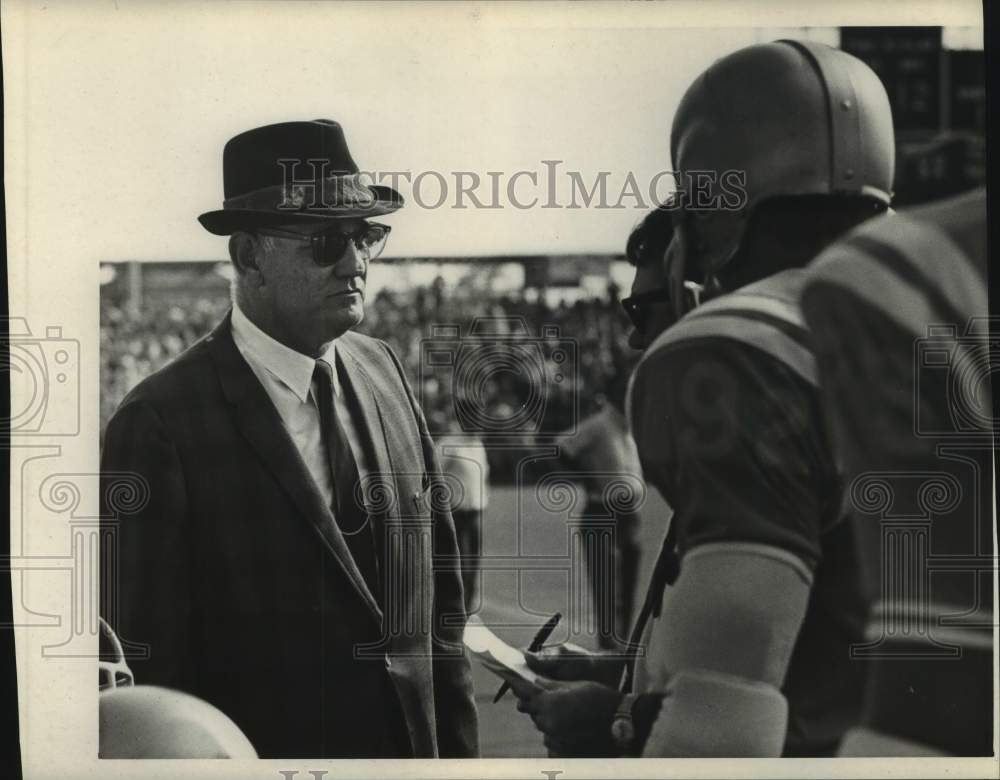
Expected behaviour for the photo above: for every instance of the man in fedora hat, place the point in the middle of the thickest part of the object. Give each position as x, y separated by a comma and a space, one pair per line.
292, 564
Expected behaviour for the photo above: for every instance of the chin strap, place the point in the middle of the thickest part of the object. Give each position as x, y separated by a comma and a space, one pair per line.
116, 672
706, 291
686, 294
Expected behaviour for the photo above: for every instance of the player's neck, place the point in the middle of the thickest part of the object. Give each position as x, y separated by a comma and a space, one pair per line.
766, 256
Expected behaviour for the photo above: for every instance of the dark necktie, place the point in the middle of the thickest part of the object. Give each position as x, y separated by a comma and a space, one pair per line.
347, 507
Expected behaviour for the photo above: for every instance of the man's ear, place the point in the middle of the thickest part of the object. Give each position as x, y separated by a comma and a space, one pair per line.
243, 252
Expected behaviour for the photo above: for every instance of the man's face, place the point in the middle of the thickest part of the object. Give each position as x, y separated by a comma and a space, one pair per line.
312, 304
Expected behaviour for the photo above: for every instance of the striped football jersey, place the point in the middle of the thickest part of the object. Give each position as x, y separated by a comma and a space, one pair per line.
904, 343
725, 410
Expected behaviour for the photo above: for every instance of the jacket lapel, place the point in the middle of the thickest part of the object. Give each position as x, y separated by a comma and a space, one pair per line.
383, 478
261, 425
360, 386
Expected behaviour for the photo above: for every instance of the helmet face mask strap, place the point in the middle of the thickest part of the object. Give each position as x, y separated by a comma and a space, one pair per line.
116, 672
680, 262
691, 278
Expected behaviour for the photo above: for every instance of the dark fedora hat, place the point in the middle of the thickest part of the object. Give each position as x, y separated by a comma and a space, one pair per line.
293, 172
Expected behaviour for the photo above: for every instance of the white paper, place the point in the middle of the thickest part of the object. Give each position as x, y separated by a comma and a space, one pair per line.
495, 654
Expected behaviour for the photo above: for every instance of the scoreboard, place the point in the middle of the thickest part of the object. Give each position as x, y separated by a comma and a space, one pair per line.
908, 61
967, 91
938, 100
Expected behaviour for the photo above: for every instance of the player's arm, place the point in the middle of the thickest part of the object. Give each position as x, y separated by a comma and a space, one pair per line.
722, 645
733, 438
726, 634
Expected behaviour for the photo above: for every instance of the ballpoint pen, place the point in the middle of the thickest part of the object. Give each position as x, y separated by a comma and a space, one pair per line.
536, 644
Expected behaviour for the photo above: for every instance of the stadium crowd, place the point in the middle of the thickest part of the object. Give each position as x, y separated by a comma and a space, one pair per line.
523, 379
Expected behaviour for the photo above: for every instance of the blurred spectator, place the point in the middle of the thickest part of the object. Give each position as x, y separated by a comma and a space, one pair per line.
467, 474
603, 455
137, 343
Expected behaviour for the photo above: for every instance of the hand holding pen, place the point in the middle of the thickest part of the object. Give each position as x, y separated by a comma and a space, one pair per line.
536, 644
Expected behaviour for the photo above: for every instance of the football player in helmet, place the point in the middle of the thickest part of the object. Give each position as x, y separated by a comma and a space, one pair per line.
602, 452
782, 148
899, 316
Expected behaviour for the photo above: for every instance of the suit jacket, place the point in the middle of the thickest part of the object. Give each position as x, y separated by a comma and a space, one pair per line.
226, 576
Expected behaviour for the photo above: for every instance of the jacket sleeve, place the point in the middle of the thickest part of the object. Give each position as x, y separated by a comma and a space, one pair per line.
454, 703
147, 561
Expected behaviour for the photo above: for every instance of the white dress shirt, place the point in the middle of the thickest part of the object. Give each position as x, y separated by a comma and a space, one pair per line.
287, 377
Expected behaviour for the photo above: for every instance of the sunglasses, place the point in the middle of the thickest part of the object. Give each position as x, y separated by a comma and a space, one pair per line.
329, 247
637, 307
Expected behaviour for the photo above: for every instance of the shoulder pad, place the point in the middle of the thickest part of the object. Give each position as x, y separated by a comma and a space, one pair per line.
910, 270
765, 316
